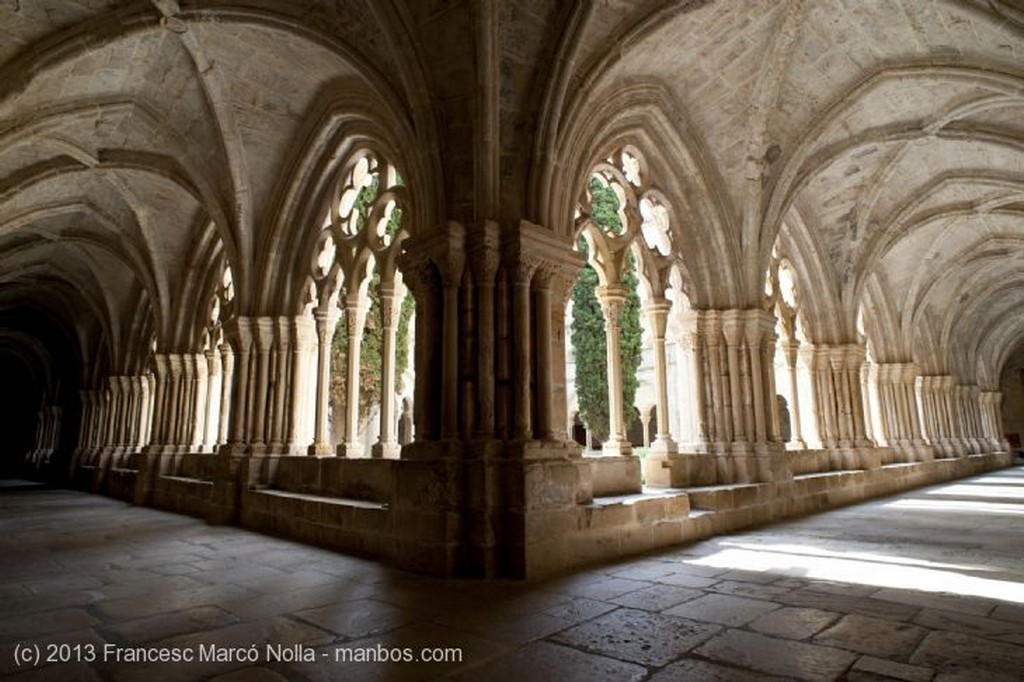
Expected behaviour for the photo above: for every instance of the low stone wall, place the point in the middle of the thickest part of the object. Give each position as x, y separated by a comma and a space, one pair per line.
495, 512
606, 531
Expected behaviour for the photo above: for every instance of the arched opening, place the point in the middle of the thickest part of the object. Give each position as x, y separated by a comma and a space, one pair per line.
365, 316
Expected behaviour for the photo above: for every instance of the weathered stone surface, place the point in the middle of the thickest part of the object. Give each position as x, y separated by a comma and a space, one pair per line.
873, 636
870, 669
954, 651
723, 609
705, 671
991, 628
777, 657
794, 623
544, 660
638, 636
657, 597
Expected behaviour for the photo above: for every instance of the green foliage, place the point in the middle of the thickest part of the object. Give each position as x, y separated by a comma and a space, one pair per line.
588, 329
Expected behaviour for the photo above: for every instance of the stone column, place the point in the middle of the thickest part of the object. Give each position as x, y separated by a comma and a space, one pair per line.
242, 346
213, 394
326, 321
790, 350
145, 411
200, 392
151, 381
484, 262
545, 361
391, 308
612, 300
522, 428
264, 333
282, 383
355, 319
303, 382
752, 335
657, 313
720, 418
732, 331
227, 361
451, 282
174, 399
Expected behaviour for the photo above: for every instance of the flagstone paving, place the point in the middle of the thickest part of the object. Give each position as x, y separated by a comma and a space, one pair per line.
925, 586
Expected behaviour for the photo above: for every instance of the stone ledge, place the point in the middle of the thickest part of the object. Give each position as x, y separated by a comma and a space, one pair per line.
363, 504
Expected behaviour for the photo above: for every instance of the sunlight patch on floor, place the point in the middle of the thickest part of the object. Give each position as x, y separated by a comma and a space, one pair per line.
863, 569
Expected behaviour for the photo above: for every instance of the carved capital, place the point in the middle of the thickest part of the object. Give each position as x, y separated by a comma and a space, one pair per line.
612, 300
485, 253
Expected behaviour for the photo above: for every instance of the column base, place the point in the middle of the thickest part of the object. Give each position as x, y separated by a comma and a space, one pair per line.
321, 450
616, 448
615, 475
390, 450
350, 450
662, 446
680, 469
844, 458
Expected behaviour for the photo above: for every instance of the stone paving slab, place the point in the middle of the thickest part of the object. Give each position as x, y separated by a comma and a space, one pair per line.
638, 636
84, 569
776, 656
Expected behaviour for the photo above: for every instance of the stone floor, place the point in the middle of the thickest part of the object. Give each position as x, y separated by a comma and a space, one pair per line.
928, 585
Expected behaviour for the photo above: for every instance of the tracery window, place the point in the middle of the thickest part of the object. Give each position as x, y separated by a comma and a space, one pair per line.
354, 281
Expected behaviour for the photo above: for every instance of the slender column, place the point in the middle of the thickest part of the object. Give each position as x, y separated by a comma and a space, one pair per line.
199, 392
135, 413
279, 421
145, 412
522, 427
355, 318
110, 432
854, 359
829, 397
303, 346
151, 382
83, 424
545, 361
227, 361
503, 359
390, 300
768, 368
213, 392
790, 349
612, 300
450, 357
326, 321
186, 414
721, 427
657, 313
264, 333
173, 398
732, 330
485, 267
752, 336
699, 408
240, 417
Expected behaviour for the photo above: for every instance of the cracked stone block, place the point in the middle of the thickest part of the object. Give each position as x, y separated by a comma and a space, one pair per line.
639, 636
777, 656
794, 622
723, 609
873, 636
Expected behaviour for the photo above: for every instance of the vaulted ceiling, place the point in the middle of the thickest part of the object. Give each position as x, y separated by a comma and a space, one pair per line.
879, 144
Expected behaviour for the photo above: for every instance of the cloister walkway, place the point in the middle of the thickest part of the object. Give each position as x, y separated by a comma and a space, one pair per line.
927, 585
